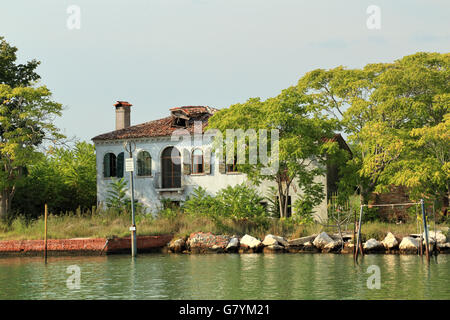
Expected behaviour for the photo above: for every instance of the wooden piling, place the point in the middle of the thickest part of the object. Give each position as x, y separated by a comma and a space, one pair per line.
358, 242
45, 233
425, 228
354, 234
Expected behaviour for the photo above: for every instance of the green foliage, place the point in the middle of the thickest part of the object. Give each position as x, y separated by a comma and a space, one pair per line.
239, 203
201, 203
302, 128
117, 194
64, 178
26, 120
12, 74
397, 118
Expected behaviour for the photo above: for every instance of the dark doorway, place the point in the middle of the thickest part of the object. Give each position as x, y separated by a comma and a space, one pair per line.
171, 168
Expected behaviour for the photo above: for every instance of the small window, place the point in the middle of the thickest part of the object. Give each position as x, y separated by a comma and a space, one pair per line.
232, 167
109, 165
197, 161
144, 164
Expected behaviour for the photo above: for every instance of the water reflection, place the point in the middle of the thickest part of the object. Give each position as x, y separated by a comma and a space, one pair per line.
233, 276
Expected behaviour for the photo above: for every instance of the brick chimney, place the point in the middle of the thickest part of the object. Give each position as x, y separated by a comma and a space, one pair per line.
122, 114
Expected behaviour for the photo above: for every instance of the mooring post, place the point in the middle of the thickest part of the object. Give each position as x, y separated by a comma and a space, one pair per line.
354, 233
45, 232
425, 228
358, 241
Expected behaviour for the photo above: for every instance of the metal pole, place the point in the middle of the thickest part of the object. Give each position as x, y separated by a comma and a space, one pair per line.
133, 222
425, 229
45, 233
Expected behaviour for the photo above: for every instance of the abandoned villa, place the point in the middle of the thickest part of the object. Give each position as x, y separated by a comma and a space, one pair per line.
167, 170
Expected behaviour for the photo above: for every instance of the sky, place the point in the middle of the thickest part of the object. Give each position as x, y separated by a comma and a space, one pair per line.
160, 54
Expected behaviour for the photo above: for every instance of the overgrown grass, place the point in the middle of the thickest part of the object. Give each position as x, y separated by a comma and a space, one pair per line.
100, 224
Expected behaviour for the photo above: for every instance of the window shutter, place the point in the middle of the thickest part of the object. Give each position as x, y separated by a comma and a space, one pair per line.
106, 169
207, 161
186, 162
120, 163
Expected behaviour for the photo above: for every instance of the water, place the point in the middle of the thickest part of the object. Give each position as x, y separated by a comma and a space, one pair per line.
226, 276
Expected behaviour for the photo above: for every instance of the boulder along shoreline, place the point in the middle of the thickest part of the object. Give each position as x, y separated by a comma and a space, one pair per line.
201, 242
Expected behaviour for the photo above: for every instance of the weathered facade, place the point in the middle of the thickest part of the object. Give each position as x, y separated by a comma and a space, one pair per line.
166, 168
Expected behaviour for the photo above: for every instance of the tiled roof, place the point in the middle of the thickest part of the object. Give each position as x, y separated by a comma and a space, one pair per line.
161, 127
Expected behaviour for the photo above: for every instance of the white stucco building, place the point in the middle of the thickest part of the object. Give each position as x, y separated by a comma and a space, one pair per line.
169, 169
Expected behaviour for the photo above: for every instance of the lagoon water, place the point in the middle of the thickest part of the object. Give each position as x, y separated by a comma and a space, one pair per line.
225, 276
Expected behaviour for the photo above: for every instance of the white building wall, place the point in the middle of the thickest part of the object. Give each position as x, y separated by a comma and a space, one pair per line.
145, 191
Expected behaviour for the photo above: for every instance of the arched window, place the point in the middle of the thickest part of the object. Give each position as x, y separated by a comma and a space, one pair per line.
109, 165
144, 164
120, 165
171, 168
197, 161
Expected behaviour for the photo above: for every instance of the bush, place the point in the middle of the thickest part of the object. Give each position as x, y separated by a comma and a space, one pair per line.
240, 202
200, 203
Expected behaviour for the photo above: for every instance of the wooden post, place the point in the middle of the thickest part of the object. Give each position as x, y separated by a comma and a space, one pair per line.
354, 234
358, 241
425, 228
45, 233
421, 245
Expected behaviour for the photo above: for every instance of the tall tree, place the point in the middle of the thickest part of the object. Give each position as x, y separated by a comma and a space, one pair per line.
26, 121
12, 73
302, 129
394, 115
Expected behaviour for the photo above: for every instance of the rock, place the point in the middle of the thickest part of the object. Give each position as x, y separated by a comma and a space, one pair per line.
177, 246
348, 248
409, 245
443, 247
373, 245
309, 247
322, 240
274, 248
233, 245
432, 236
301, 241
201, 242
334, 246
389, 242
345, 236
270, 240
250, 242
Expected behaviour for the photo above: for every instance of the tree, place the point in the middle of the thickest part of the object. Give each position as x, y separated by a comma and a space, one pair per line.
12, 74
302, 129
385, 109
64, 178
26, 121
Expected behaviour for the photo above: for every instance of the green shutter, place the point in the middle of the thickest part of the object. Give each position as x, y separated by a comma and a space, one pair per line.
106, 168
120, 165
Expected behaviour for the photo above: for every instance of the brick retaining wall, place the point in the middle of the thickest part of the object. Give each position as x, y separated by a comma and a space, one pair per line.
84, 246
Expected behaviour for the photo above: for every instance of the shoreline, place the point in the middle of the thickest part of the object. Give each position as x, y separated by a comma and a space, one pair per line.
208, 243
